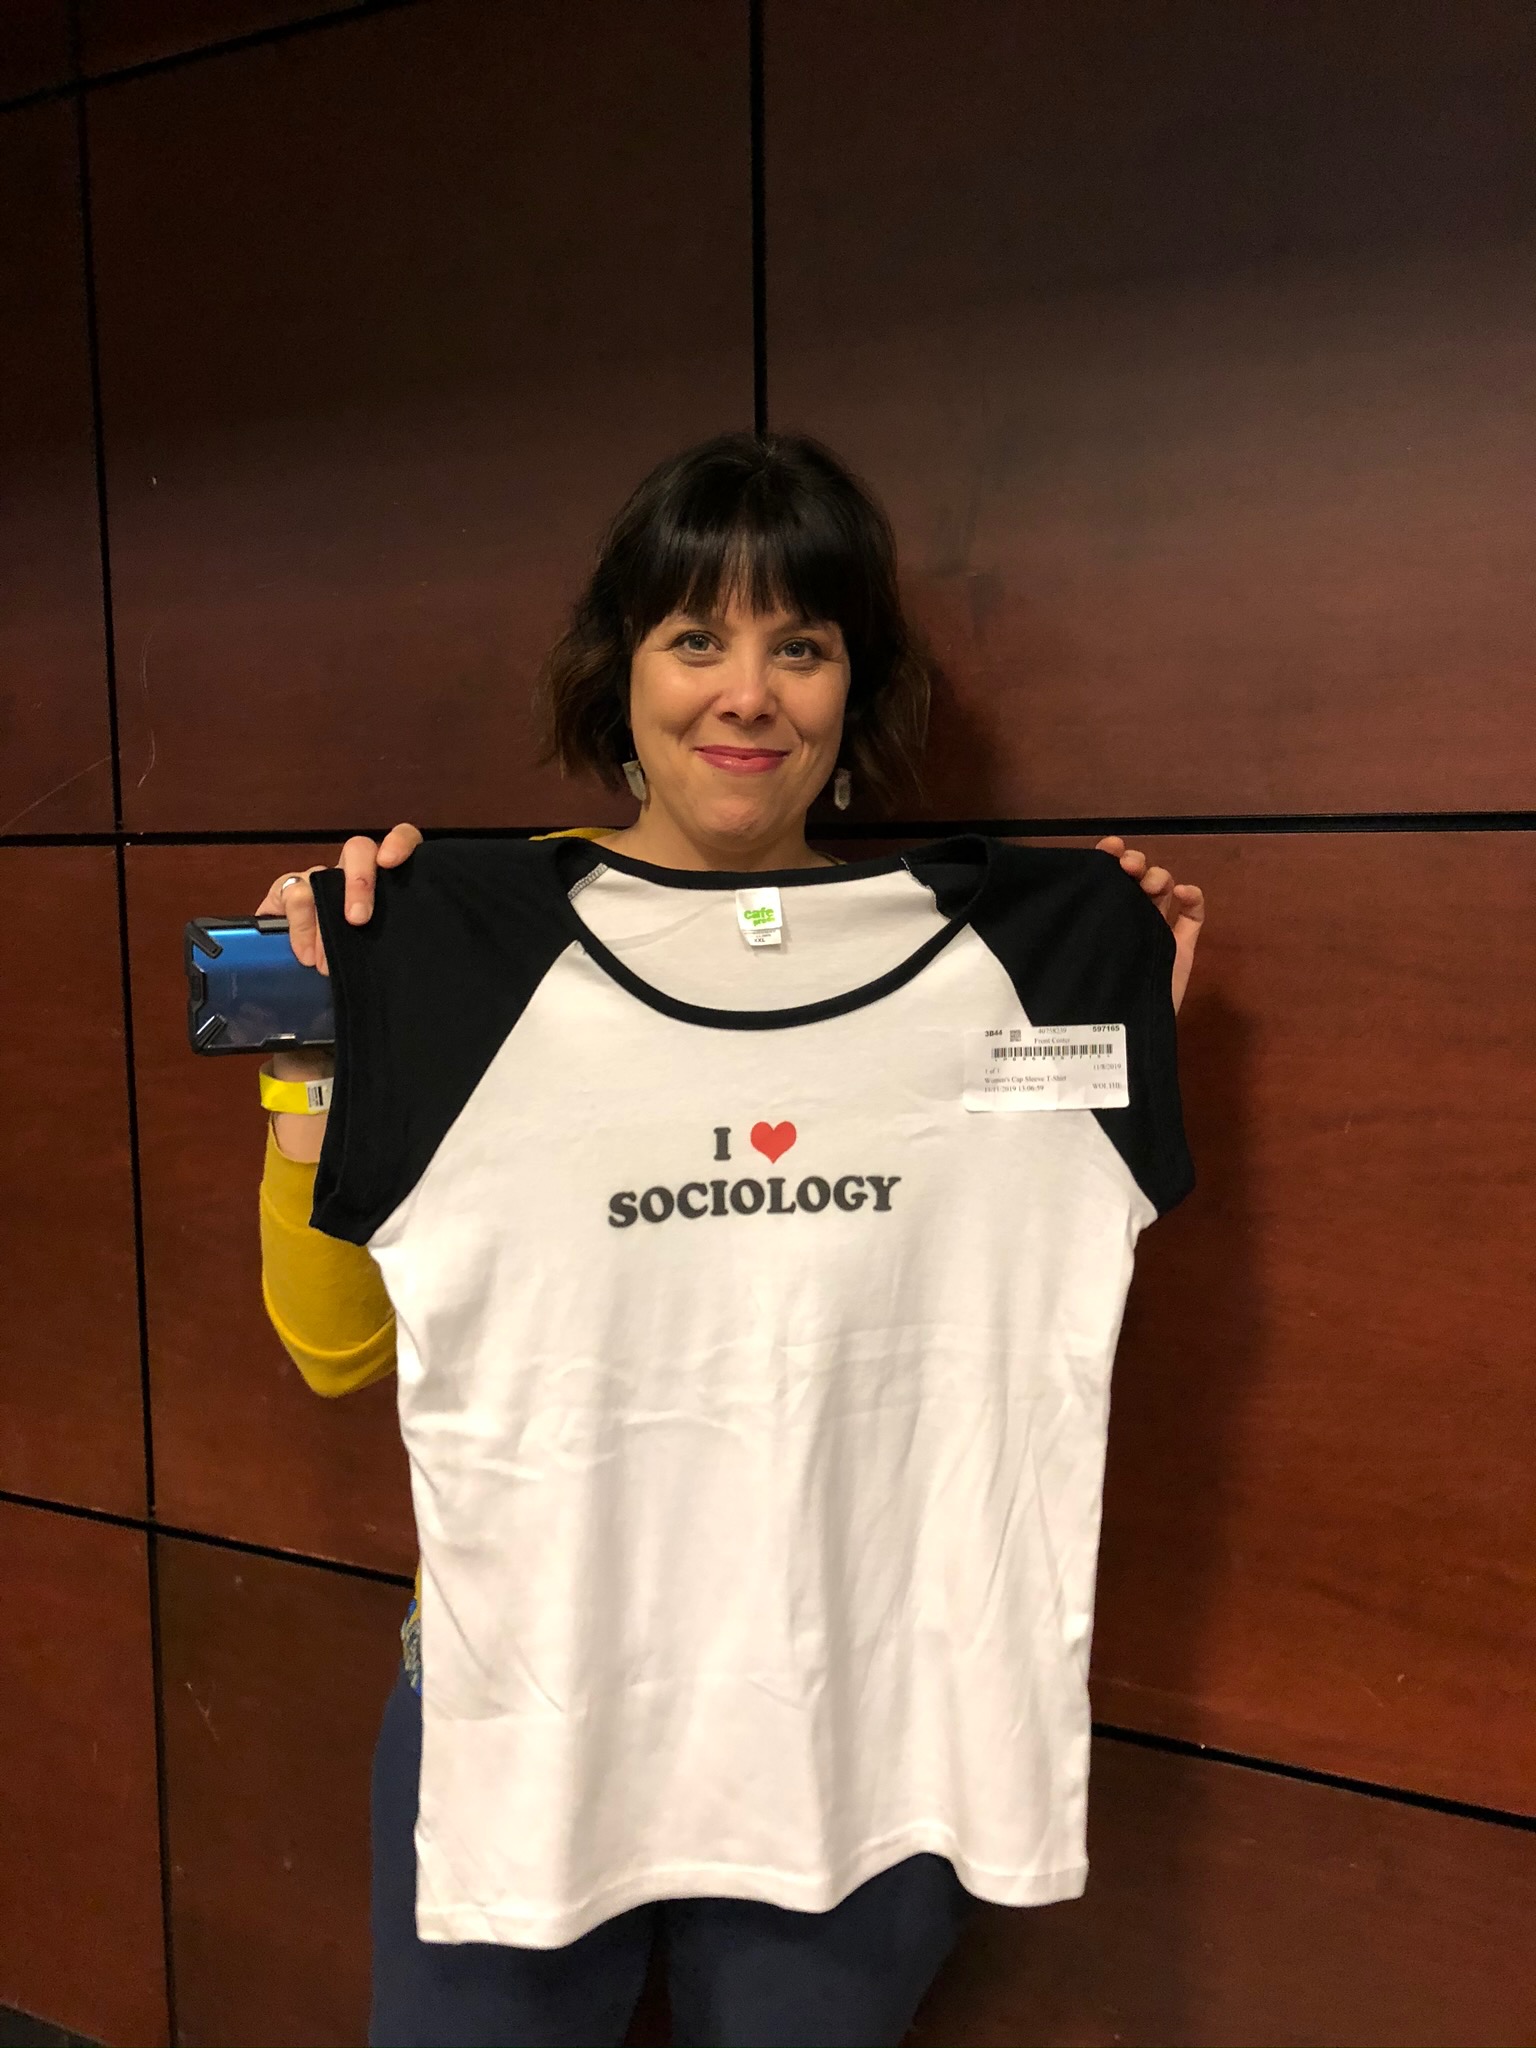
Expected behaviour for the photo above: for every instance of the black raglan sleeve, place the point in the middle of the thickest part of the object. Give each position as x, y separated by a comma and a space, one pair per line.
425, 994
1084, 944
1151, 1134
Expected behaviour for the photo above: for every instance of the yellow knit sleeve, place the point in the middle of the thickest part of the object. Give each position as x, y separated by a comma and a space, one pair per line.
326, 1298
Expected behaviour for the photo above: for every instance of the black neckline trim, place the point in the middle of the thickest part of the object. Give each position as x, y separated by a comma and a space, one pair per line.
573, 858
726, 878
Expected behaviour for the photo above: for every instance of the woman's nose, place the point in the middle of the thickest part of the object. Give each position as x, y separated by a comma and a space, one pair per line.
746, 688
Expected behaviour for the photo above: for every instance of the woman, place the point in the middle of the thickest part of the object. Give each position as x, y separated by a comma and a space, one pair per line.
753, 1346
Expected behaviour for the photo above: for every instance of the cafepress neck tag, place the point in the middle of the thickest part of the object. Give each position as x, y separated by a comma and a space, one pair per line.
760, 916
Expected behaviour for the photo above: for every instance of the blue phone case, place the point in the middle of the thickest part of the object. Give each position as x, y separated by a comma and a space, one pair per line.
247, 993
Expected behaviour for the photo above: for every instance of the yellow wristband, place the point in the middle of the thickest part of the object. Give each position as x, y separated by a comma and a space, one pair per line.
297, 1098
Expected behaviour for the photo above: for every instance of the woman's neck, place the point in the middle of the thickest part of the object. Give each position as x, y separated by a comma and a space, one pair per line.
663, 842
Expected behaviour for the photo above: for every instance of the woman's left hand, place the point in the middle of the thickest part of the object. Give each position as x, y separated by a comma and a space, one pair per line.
1182, 903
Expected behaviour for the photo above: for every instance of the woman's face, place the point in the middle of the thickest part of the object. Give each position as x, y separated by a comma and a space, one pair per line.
737, 719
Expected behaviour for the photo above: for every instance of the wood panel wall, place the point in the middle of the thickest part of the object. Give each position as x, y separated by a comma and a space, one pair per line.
1192, 349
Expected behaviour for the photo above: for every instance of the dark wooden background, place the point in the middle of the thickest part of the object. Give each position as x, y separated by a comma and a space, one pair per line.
1193, 347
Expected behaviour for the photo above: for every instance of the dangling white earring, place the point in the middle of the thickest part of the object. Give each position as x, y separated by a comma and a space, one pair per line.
634, 775
842, 789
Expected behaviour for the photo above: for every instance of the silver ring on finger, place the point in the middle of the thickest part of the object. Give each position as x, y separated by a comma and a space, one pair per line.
287, 882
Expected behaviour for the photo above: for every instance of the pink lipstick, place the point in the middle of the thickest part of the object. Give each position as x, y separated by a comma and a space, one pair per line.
743, 760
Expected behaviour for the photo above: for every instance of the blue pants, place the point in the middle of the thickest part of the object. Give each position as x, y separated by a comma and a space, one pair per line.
740, 1974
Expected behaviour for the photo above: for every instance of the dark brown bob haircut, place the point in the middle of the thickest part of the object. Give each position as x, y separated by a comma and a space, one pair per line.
777, 521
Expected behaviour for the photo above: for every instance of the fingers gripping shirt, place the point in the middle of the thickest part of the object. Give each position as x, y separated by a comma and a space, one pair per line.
753, 1366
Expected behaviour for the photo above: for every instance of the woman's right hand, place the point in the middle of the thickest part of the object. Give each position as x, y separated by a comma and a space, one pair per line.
360, 860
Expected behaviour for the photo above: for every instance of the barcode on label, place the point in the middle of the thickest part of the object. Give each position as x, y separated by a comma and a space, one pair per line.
1070, 1049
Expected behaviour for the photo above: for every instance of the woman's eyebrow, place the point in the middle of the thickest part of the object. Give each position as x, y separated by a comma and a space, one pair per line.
793, 623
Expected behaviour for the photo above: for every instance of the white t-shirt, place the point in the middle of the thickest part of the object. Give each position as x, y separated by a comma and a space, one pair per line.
755, 1323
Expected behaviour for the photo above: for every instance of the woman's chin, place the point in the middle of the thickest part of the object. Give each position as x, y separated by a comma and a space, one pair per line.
745, 817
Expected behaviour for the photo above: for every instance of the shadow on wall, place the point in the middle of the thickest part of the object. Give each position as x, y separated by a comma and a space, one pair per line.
991, 731
962, 749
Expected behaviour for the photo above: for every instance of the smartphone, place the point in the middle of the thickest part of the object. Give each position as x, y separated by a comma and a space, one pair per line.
246, 992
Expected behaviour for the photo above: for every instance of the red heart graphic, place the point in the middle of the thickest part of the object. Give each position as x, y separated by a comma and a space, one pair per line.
773, 1140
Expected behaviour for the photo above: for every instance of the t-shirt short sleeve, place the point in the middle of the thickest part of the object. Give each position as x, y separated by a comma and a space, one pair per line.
425, 994
1083, 944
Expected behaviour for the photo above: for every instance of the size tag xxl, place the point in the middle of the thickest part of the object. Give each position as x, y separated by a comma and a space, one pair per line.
760, 916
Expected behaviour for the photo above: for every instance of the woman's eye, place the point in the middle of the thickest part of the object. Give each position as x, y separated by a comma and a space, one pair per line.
800, 650
693, 643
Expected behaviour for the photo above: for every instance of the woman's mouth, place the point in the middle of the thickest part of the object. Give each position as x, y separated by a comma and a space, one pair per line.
744, 760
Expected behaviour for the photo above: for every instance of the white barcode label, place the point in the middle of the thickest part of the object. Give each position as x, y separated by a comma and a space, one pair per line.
1046, 1066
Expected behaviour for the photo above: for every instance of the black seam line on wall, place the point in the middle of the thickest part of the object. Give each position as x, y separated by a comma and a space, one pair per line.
130, 1066
1209, 824
147, 1526
119, 838
99, 452
1366, 1788
177, 60
1258, 824
1397, 1795
162, 1761
756, 132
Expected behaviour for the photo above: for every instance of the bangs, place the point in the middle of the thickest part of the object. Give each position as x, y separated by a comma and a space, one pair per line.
765, 536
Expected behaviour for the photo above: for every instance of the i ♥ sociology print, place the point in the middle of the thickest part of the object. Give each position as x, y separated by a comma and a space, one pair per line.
748, 1196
